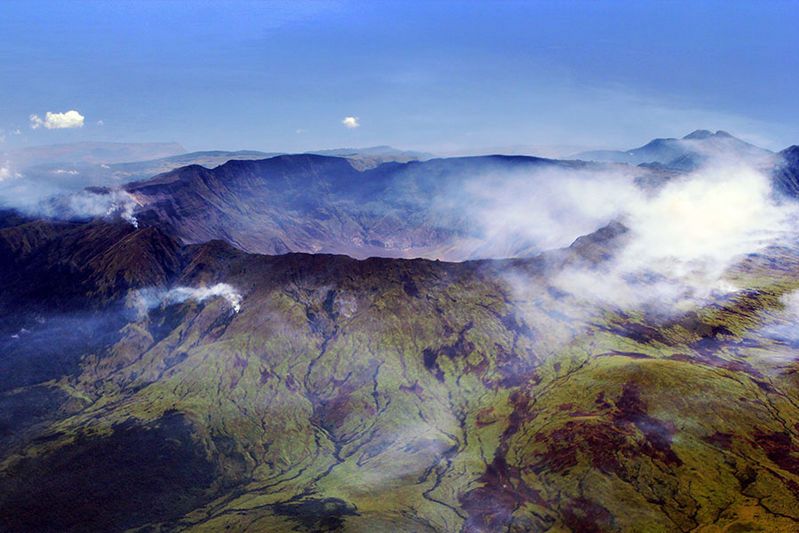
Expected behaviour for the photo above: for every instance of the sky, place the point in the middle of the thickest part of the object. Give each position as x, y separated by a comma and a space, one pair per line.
439, 76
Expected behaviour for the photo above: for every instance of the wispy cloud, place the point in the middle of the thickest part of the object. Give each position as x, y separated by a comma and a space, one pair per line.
88, 204
149, 298
5, 172
684, 233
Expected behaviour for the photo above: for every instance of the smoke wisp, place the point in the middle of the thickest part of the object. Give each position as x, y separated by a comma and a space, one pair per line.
90, 204
143, 300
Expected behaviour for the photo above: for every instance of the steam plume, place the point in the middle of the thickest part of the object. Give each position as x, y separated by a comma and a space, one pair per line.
145, 299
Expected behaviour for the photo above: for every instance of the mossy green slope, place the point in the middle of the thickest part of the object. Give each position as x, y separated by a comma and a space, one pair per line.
396, 395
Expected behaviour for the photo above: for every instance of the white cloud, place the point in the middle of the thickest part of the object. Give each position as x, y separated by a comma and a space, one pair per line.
223, 290
55, 121
7, 173
544, 209
148, 298
683, 236
782, 326
350, 122
101, 122
88, 204
683, 239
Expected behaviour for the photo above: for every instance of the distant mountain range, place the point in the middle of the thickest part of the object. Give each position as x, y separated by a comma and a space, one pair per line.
363, 157
53, 169
686, 153
95, 153
360, 202
373, 156
320, 204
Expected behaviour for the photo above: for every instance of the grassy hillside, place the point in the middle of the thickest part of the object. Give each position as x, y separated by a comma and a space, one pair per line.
387, 395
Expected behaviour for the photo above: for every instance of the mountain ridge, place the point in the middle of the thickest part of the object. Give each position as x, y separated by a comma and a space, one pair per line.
379, 394
314, 203
686, 153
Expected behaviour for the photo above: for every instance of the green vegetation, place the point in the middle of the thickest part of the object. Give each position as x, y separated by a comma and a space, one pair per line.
393, 395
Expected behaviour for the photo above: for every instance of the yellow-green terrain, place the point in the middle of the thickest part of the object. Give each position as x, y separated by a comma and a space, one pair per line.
382, 395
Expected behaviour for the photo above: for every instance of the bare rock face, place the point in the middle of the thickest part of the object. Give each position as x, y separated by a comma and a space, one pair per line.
320, 204
786, 173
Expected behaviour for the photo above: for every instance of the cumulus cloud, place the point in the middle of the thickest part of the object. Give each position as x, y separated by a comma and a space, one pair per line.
54, 121
350, 122
144, 300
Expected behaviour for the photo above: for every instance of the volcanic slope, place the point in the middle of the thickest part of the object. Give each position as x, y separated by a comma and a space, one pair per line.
318, 204
380, 395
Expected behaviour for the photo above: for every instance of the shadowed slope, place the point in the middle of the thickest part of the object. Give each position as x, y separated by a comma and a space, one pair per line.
310, 203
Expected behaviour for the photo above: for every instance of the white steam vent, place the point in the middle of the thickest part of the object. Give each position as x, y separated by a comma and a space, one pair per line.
145, 299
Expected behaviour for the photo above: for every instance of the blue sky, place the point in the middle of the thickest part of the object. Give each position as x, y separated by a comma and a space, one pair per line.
441, 76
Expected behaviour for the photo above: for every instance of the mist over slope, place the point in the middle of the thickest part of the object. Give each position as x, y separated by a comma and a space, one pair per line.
623, 358
450, 209
29, 176
309, 203
385, 394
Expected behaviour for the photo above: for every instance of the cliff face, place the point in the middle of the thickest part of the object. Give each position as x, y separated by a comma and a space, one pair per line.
318, 204
786, 173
